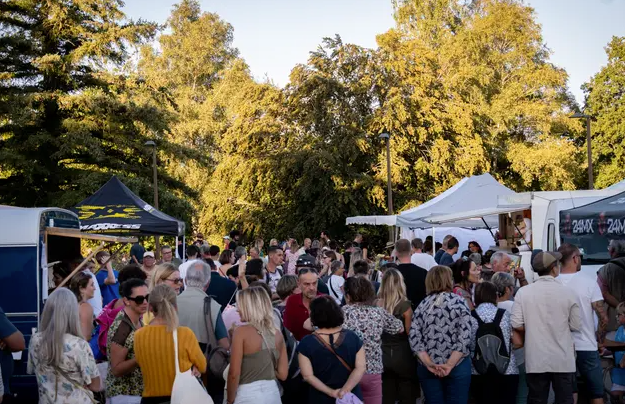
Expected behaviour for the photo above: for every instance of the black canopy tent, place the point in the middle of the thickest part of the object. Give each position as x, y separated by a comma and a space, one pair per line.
116, 210
592, 226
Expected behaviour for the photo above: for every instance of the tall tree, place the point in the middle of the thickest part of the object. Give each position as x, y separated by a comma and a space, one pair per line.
605, 102
68, 116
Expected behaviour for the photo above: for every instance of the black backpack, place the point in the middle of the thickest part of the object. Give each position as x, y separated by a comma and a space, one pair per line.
491, 353
291, 347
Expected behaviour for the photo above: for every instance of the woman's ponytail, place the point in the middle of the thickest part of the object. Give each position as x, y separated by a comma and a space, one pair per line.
163, 303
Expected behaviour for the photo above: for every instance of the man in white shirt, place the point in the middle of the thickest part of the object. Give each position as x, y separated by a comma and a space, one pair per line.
273, 269
193, 254
419, 258
590, 303
548, 312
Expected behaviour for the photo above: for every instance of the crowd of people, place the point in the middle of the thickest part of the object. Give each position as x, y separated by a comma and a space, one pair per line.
319, 324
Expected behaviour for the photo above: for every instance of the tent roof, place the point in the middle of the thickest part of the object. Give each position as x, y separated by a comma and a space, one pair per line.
388, 220
478, 192
114, 209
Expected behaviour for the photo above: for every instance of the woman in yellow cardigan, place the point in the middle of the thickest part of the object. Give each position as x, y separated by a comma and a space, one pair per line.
154, 348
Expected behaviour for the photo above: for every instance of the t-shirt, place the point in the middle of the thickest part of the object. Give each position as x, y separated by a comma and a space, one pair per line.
6, 358
183, 268
438, 255
587, 291
446, 259
217, 264
335, 283
414, 278
137, 251
322, 287
222, 289
109, 292
327, 367
96, 300
232, 245
272, 279
423, 260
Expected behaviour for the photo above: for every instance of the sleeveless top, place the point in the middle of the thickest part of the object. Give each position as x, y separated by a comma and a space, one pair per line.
260, 365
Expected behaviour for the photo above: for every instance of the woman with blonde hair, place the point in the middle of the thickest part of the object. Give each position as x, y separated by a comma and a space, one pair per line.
399, 381
257, 353
60, 357
163, 274
154, 347
83, 287
292, 254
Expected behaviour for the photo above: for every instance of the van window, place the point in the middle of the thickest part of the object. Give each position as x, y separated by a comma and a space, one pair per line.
18, 279
551, 237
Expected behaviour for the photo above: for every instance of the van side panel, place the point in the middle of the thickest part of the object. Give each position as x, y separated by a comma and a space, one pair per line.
19, 299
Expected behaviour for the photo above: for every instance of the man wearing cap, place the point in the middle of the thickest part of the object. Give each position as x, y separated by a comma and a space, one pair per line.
547, 312
587, 341
149, 263
297, 309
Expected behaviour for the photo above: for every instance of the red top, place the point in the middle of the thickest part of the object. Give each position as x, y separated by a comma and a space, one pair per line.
295, 314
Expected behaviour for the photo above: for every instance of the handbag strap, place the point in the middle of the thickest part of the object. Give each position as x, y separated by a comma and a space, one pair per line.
273, 357
78, 386
331, 349
208, 319
176, 351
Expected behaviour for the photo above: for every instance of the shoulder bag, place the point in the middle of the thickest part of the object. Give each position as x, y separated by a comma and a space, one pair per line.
187, 388
217, 358
331, 349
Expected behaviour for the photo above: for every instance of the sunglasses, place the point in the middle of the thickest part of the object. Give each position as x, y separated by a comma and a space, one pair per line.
139, 299
177, 281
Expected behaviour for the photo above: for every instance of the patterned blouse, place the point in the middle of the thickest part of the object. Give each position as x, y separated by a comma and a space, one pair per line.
122, 333
369, 323
487, 312
77, 364
441, 324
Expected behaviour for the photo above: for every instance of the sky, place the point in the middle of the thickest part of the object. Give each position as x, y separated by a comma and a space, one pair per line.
275, 35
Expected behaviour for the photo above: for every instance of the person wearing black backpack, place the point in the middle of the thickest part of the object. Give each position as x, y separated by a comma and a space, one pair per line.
495, 376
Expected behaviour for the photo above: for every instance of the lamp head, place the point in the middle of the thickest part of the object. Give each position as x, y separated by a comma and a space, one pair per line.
384, 136
579, 115
150, 143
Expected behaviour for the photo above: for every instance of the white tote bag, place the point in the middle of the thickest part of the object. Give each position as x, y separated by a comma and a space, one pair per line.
187, 388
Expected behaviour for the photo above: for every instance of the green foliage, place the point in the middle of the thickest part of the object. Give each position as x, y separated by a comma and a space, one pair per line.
463, 87
68, 117
605, 102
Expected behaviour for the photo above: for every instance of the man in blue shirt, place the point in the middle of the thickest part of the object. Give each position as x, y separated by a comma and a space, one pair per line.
11, 340
222, 289
441, 251
452, 248
107, 278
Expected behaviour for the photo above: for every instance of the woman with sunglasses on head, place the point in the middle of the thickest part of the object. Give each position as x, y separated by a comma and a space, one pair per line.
154, 348
124, 382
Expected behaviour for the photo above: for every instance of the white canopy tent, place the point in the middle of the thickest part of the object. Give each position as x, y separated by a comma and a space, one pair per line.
388, 220
470, 193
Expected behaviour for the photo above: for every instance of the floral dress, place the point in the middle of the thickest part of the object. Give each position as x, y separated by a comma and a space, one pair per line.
369, 323
67, 384
122, 333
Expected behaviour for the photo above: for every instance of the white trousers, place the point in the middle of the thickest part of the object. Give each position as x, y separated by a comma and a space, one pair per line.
260, 392
124, 400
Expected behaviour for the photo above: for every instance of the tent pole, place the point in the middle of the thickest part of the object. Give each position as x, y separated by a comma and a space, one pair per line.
176, 254
184, 248
490, 230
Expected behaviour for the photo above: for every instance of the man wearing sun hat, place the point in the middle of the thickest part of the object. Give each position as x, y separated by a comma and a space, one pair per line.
547, 312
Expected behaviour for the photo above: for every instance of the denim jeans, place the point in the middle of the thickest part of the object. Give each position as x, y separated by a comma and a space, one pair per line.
452, 389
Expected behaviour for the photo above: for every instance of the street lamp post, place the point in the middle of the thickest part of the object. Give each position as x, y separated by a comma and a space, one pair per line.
388, 179
579, 115
150, 143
